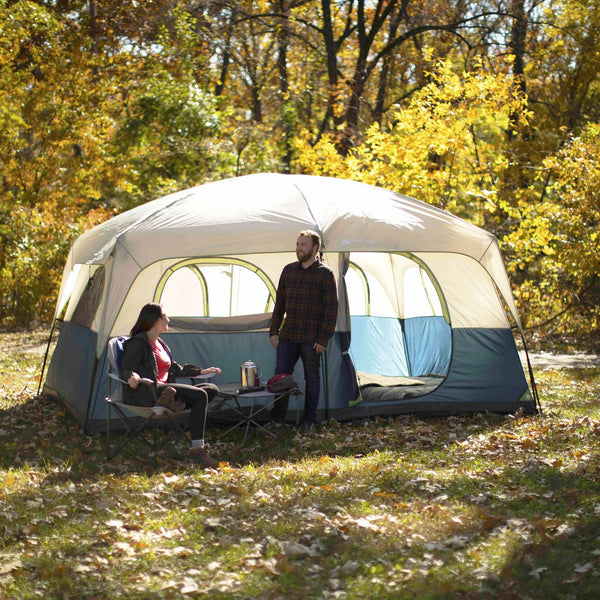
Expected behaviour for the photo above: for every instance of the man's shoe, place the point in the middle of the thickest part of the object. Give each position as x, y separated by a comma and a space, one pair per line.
200, 456
306, 426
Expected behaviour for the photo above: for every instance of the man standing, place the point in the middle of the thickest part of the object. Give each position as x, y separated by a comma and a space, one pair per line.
307, 296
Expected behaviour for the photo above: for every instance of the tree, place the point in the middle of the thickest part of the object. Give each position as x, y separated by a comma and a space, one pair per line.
89, 124
557, 241
50, 140
107, 105
443, 148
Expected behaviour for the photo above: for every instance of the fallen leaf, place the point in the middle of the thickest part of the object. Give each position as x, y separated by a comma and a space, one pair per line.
125, 547
190, 587
237, 490
583, 568
115, 523
212, 523
277, 565
293, 548
11, 566
537, 572
350, 566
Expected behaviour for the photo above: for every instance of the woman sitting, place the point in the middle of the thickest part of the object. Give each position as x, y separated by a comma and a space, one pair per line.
146, 356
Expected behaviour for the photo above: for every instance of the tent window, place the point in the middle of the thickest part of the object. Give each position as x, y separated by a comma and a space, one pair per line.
420, 296
215, 288
358, 291
366, 296
86, 308
380, 303
185, 293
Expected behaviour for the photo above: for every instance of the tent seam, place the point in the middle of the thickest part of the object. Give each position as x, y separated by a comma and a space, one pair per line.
320, 229
486, 250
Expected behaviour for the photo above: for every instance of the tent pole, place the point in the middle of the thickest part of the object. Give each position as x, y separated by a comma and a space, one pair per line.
536, 396
46, 355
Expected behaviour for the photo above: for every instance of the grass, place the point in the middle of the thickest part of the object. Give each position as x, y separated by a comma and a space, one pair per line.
477, 506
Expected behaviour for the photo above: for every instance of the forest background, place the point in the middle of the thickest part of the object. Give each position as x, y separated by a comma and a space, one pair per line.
489, 109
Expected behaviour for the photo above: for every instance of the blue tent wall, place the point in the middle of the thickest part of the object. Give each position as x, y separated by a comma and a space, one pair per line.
485, 375
428, 345
377, 346
228, 351
72, 368
485, 371
225, 350
394, 347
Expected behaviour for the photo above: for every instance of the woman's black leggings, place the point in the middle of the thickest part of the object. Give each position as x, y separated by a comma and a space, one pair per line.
196, 398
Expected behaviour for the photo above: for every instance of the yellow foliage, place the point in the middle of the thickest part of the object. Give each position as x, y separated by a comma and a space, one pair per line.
444, 148
556, 241
321, 159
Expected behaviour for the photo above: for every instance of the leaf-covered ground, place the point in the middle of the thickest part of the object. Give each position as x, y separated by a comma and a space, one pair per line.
479, 506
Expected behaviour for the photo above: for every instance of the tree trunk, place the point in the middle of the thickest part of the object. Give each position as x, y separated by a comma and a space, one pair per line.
226, 57
256, 103
284, 87
357, 89
91, 4
518, 37
332, 69
386, 66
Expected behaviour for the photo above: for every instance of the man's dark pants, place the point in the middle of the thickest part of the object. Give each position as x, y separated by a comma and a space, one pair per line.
288, 354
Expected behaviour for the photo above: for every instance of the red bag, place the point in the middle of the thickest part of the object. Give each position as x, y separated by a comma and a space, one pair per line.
282, 382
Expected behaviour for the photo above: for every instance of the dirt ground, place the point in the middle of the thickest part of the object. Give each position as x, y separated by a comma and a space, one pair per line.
547, 360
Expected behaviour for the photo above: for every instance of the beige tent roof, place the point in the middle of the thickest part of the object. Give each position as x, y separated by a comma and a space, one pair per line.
262, 214
254, 213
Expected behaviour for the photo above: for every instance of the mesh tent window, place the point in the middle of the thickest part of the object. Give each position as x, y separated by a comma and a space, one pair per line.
217, 287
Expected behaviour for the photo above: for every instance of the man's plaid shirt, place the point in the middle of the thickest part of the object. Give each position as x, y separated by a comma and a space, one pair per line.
308, 299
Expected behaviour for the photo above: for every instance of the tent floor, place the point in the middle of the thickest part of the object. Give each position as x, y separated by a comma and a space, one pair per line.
379, 388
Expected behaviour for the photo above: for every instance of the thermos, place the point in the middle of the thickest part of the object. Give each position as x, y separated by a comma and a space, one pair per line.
250, 374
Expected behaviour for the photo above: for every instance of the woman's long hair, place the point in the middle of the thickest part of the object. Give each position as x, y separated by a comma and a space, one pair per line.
149, 314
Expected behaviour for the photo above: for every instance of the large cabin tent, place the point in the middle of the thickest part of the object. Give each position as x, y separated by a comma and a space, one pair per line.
426, 308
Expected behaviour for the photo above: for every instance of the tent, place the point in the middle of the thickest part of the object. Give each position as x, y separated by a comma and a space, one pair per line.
425, 313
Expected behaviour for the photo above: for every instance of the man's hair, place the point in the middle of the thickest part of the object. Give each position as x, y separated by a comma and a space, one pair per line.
316, 238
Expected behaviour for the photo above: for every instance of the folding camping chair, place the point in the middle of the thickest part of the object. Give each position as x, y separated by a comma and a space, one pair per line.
165, 426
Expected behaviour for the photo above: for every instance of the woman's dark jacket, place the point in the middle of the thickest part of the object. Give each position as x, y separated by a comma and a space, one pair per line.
138, 357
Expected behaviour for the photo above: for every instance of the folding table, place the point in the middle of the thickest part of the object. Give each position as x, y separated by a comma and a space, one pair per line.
260, 401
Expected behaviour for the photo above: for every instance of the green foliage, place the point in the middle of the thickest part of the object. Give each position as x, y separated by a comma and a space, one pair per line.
165, 137
79, 140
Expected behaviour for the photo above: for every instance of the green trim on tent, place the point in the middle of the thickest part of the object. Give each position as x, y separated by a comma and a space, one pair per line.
360, 272
434, 281
194, 263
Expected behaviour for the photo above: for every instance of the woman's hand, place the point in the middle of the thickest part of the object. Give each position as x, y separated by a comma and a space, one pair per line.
210, 370
133, 380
